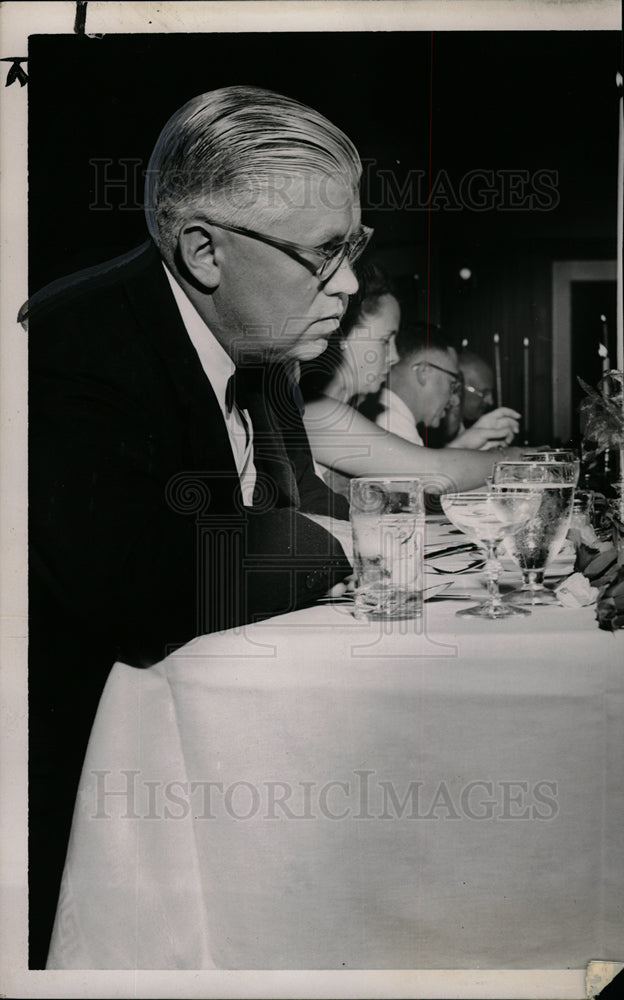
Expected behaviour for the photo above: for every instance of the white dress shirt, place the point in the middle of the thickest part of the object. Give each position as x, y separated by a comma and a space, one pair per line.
397, 418
219, 368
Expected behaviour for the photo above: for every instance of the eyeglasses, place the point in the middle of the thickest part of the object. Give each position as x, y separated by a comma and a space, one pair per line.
457, 377
485, 394
328, 261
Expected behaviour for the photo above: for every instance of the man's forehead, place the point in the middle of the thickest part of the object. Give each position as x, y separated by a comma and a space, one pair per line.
326, 207
448, 358
475, 371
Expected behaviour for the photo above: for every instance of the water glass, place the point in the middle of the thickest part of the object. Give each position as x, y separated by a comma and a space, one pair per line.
581, 530
583, 510
544, 535
555, 455
388, 525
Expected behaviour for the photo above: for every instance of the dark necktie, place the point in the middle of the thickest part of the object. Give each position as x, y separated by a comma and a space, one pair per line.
237, 392
250, 389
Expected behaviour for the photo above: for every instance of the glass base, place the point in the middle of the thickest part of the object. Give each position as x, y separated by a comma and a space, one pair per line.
408, 614
530, 596
394, 605
492, 611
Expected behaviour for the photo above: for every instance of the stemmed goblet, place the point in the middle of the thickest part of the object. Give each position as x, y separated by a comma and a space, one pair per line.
489, 519
554, 455
543, 536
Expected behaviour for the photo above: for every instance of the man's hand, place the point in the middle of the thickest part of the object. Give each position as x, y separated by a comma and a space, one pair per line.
346, 586
514, 454
492, 430
339, 529
342, 531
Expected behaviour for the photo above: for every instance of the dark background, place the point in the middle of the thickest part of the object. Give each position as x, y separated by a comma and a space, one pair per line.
442, 104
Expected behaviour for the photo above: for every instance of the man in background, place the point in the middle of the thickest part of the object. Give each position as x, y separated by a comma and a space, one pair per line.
475, 400
427, 383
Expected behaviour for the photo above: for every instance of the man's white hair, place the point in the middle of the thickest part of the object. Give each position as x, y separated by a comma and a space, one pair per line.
231, 153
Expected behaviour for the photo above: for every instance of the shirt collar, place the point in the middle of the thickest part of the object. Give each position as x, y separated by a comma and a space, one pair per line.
400, 410
215, 360
390, 400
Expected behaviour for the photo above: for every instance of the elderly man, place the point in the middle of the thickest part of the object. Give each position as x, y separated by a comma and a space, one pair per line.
478, 388
475, 403
426, 384
170, 475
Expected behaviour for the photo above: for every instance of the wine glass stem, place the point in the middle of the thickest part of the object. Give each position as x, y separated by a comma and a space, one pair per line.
492, 569
533, 578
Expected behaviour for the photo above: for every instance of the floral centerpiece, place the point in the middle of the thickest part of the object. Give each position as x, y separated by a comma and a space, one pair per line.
602, 420
602, 417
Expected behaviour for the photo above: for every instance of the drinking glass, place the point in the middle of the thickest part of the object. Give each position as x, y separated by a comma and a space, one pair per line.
554, 455
489, 518
542, 537
583, 511
388, 524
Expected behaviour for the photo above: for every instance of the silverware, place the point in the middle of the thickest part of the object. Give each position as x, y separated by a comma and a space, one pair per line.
473, 567
451, 597
450, 550
440, 594
334, 600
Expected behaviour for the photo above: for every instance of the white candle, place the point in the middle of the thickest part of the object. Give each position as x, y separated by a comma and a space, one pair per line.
525, 343
620, 210
603, 350
497, 368
620, 264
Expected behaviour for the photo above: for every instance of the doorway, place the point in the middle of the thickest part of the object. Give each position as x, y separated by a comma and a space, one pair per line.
582, 291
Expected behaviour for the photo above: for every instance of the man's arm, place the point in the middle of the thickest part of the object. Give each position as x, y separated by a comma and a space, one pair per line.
117, 548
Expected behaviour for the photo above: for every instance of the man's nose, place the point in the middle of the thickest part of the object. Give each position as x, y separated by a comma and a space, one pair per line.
393, 354
342, 281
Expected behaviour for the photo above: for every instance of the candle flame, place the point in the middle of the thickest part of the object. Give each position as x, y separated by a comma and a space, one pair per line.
526, 341
496, 338
602, 351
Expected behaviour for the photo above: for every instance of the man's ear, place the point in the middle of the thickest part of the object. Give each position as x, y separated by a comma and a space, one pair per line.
198, 256
420, 371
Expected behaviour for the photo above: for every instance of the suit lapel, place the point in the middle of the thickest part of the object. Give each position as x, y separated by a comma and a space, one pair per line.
160, 322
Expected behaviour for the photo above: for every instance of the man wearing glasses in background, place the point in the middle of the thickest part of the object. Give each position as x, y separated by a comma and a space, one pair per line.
172, 490
427, 385
474, 406
478, 388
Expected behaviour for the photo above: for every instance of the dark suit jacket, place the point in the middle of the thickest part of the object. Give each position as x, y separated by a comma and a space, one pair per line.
138, 538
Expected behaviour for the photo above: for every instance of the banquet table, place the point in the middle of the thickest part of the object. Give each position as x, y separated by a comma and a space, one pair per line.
316, 792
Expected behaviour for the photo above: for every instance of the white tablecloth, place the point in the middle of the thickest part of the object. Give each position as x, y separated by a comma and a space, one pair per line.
315, 792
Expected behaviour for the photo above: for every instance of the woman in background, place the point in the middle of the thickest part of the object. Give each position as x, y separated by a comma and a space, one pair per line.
358, 357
